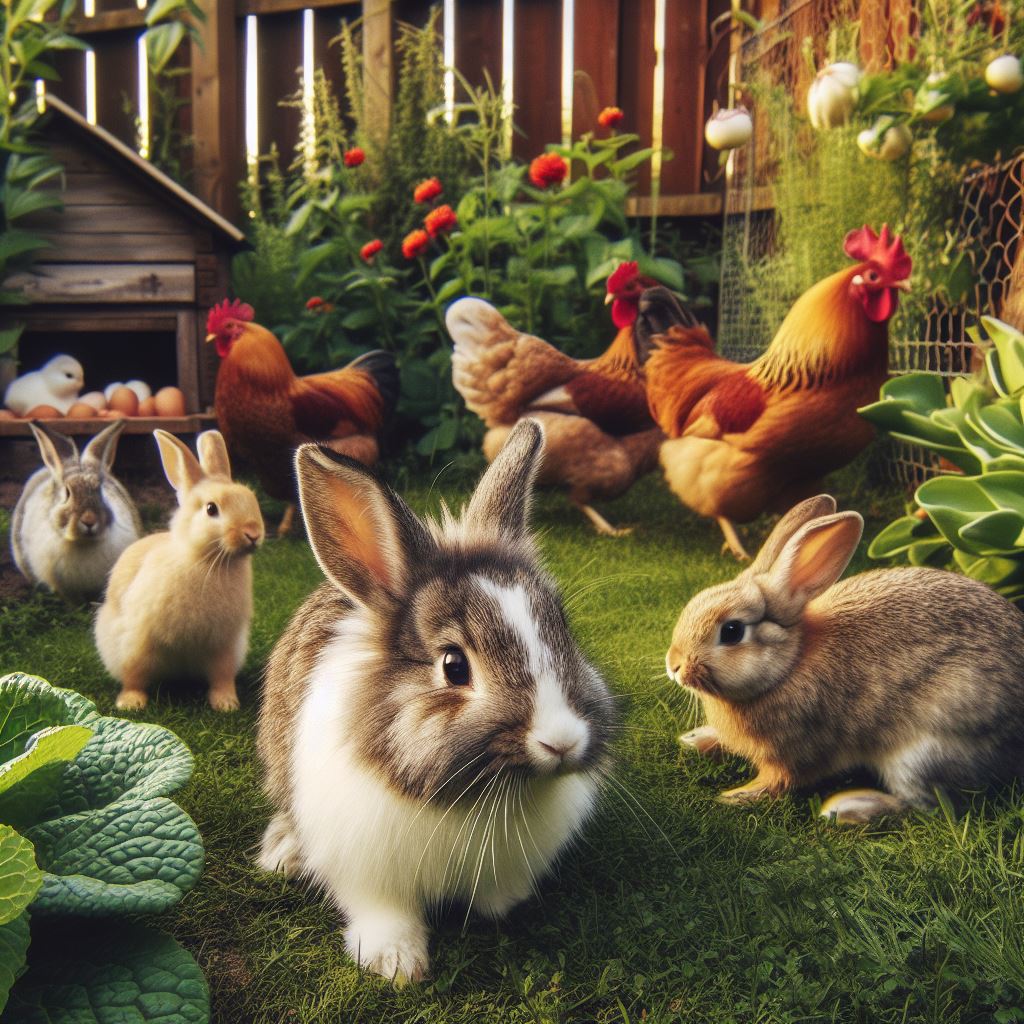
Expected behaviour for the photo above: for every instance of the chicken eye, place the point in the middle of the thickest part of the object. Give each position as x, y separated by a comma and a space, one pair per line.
872, 276
732, 632
455, 666
212, 510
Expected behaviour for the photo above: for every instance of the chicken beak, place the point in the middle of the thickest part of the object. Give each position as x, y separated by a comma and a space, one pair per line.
904, 285
609, 298
211, 337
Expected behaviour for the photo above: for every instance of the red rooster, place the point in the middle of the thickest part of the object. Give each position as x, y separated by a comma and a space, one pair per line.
599, 436
746, 439
265, 411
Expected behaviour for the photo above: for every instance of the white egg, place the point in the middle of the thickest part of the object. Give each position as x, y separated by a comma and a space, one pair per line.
141, 389
111, 388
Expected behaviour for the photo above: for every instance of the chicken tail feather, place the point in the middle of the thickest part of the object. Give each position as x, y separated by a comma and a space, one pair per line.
381, 366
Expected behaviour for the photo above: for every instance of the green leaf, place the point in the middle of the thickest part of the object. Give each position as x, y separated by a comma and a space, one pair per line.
9, 335
921, 392
20, 878
299, 219
899, 536
110, 974
25, 202
634, 160
136, 856
161, 44
14, 940
29, 781
18, 243
668, 272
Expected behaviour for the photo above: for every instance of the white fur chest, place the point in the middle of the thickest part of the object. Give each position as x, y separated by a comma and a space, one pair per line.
371, 845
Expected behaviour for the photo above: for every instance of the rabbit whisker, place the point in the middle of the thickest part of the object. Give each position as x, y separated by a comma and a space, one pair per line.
440, 820
486, 839
624, 791
427, 799
480, 802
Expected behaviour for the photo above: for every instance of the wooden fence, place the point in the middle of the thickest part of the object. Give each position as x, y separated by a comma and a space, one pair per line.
613, 54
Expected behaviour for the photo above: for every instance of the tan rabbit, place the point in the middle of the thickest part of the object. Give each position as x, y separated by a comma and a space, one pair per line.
180, 602
915, 674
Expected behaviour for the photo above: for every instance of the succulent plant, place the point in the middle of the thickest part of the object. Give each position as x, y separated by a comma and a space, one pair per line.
971, 519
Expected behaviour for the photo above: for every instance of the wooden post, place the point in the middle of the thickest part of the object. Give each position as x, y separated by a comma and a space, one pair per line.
377, 68
218, 141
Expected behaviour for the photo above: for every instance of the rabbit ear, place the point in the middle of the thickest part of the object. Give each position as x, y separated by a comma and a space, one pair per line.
213, 454
812, 508
811, 561
180, 466
56, 449
103, 447
501, 501
363, 535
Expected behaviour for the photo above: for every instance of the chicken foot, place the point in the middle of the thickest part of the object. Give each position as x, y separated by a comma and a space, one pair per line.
732, 540
601, 524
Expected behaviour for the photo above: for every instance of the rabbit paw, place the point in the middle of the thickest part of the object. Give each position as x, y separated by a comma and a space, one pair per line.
131, 700
224, 698
704, 740
857, 806
394, 949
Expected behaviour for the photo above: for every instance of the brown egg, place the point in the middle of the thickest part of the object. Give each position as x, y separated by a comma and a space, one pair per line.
147, 407
43, 412
124, 400
170, 402
6, 414
112, 414
82, 411
95, 399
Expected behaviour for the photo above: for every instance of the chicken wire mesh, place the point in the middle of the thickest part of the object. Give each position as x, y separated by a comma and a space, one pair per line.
988, 229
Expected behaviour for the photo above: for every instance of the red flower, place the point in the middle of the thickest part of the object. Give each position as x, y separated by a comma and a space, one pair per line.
415, 244
610, 117
370, 250
314, 303
427, 190
440, 220
548, 169
354, 157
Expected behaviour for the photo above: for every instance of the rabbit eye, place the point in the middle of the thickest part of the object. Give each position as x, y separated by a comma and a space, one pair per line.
67, 493
212, 510
732, 632
455, 665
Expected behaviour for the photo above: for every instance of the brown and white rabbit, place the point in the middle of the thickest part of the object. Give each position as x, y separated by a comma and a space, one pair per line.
430, 729
73, 518
916, 674
180, 602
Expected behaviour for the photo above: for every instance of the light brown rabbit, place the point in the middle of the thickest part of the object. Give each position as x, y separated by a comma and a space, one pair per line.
915, 674
179, 603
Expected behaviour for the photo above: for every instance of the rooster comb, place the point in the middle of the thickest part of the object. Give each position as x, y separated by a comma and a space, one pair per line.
233, 309
885, 249
622, 275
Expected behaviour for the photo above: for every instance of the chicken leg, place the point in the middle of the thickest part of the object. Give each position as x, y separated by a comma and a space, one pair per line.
601, 524
285, 526
732, 540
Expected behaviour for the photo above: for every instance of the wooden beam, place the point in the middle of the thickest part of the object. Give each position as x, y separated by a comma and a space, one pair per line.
218, 155
701, 204
108, 21
112, 282
378, 42
283, 6
132, 425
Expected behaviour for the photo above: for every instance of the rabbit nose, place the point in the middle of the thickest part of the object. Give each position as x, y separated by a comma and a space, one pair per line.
560, 749
252, 538
673, 663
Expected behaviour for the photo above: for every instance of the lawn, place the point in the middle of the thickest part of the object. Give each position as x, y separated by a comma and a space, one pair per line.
672, 907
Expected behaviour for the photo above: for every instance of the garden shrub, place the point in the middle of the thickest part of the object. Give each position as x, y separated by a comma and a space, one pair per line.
88, 831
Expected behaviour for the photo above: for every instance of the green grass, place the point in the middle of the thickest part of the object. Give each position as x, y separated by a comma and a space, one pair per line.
684, 910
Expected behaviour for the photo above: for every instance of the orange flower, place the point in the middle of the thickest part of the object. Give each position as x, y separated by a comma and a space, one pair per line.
610, 117
354, 157
548, 169
415, 244
440, 220
370, 250
427, 190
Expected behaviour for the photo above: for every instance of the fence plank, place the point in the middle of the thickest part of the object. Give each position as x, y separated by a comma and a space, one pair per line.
117, 80
716, 89
280, 63
636, 76
216, 117
537, 92
70, 65
378, 66
478, 40
595, 61
682, 124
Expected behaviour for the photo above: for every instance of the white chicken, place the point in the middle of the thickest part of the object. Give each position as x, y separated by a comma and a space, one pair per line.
58, 384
